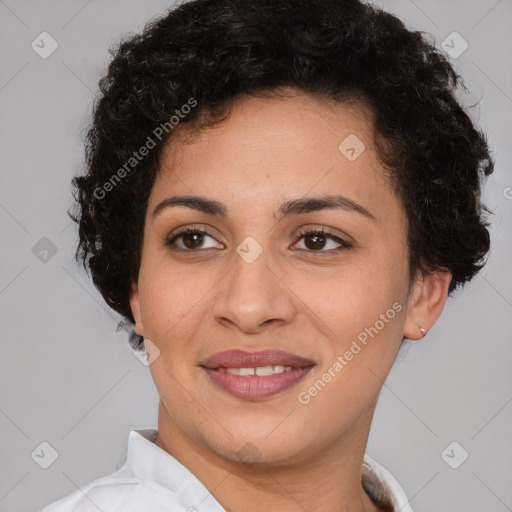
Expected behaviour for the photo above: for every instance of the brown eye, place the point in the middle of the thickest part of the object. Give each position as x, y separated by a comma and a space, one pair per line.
317, 240
191, 240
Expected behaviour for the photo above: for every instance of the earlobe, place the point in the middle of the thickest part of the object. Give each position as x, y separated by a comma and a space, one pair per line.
426, 303
135, 307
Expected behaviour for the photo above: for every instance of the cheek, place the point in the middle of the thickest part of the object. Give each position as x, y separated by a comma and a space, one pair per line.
365, 323
347, 300
361, 313
172, 297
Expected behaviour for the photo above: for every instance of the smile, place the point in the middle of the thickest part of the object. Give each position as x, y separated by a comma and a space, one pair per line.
255, 375
260, 371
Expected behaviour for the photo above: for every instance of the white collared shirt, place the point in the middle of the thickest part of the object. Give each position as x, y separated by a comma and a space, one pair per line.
152, 480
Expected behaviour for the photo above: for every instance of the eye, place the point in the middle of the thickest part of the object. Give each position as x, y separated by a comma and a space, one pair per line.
318, 240
191, 239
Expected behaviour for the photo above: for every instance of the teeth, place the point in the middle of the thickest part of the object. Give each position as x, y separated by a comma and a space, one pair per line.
260, 371
268, 370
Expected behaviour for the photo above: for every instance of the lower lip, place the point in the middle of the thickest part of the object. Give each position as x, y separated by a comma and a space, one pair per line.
252, 387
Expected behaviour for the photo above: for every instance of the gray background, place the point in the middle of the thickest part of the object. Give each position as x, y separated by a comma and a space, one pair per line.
68, 378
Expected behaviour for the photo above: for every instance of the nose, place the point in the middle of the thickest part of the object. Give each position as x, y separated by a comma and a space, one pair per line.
252, 297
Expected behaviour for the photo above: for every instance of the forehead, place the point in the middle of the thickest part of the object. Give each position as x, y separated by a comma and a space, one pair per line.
273, 148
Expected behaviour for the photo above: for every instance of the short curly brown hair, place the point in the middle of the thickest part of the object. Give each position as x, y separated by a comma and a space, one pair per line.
199, 57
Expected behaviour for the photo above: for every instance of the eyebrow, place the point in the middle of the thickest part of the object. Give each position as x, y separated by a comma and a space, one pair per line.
292, 207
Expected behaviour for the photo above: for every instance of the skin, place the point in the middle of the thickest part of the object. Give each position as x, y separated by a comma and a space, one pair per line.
309, 301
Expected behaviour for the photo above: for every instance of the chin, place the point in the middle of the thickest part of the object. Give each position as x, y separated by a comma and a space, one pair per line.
253, 445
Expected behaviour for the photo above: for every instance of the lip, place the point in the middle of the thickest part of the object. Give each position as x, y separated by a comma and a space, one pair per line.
244, 359
253, 387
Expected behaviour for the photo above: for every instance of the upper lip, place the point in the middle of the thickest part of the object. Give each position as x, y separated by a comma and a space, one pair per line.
243, 359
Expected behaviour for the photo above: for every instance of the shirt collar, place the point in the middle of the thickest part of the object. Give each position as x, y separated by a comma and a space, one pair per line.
150, 462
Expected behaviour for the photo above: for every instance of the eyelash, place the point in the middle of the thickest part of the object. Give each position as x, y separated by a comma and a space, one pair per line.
322, 232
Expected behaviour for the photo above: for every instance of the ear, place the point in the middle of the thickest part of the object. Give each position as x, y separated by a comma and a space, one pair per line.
426, 302
135, 307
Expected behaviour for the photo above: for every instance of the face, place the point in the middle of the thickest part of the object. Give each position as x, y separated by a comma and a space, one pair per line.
306, 253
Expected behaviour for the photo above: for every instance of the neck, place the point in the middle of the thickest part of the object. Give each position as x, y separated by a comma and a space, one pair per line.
328, 479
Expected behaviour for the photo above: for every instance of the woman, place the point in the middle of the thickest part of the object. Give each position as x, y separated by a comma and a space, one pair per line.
278, 193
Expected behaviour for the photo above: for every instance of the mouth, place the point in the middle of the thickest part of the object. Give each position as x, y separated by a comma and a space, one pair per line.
255, 375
